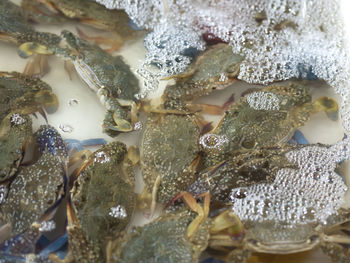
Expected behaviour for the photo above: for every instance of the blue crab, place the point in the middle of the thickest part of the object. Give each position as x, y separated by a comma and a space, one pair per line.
15, 29
241, 169
169, 155
93, 219
38, 187
112, 79
187, 232
15, 135
263, 118
89, 13
25, 95
298, 211
216, 68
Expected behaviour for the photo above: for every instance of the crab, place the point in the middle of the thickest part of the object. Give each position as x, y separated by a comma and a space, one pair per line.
36, 188
180, 236
169, 155
299, 211
90, 13
25, 95
263, 118
241, 169
15, 29
217, 68
15, 136
96, 218
112, 79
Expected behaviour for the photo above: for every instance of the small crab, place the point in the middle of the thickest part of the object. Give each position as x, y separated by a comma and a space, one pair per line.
175, 237
169, 155
298, 211
35, 188
216, 68
90, 13
97, 216
109, 76
264, 118
25, 95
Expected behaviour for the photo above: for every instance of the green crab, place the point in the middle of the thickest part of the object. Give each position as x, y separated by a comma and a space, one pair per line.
85, 12
96, 217
216, 68
263, 118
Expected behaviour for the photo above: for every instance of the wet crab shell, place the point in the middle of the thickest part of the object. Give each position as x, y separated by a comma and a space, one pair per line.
102, 216
169, 146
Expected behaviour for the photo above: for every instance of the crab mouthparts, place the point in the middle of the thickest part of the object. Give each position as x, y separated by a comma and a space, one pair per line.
283, 246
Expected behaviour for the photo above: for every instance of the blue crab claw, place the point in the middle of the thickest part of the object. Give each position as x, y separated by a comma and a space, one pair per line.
80, 145
29, 48
298, 138
55, 247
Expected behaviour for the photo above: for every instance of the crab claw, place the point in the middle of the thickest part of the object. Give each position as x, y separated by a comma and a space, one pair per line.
329, 105
29, 48
121, 124
48, 99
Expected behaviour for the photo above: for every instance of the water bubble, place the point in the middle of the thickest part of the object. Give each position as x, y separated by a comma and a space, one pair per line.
317, 176
17, 119
101, 157
66, 128
240, 194
138, 126
73, 102
47, 226
118, 212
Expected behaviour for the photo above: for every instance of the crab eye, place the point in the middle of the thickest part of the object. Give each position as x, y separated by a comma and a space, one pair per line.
312, 239
240, 193
248, 143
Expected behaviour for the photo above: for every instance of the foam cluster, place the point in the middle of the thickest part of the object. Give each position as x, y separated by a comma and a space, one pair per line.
263, 101
308, 194
279, 39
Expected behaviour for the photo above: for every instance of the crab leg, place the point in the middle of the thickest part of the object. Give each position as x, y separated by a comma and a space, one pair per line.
154, 194
202, 212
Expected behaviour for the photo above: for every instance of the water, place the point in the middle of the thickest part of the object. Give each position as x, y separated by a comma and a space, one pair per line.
80, 107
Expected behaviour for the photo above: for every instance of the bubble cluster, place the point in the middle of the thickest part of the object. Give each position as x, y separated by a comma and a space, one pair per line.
170, 49
101, 157
310, 193
263, 101
17, 119
118, 212
279, 39
47, 226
